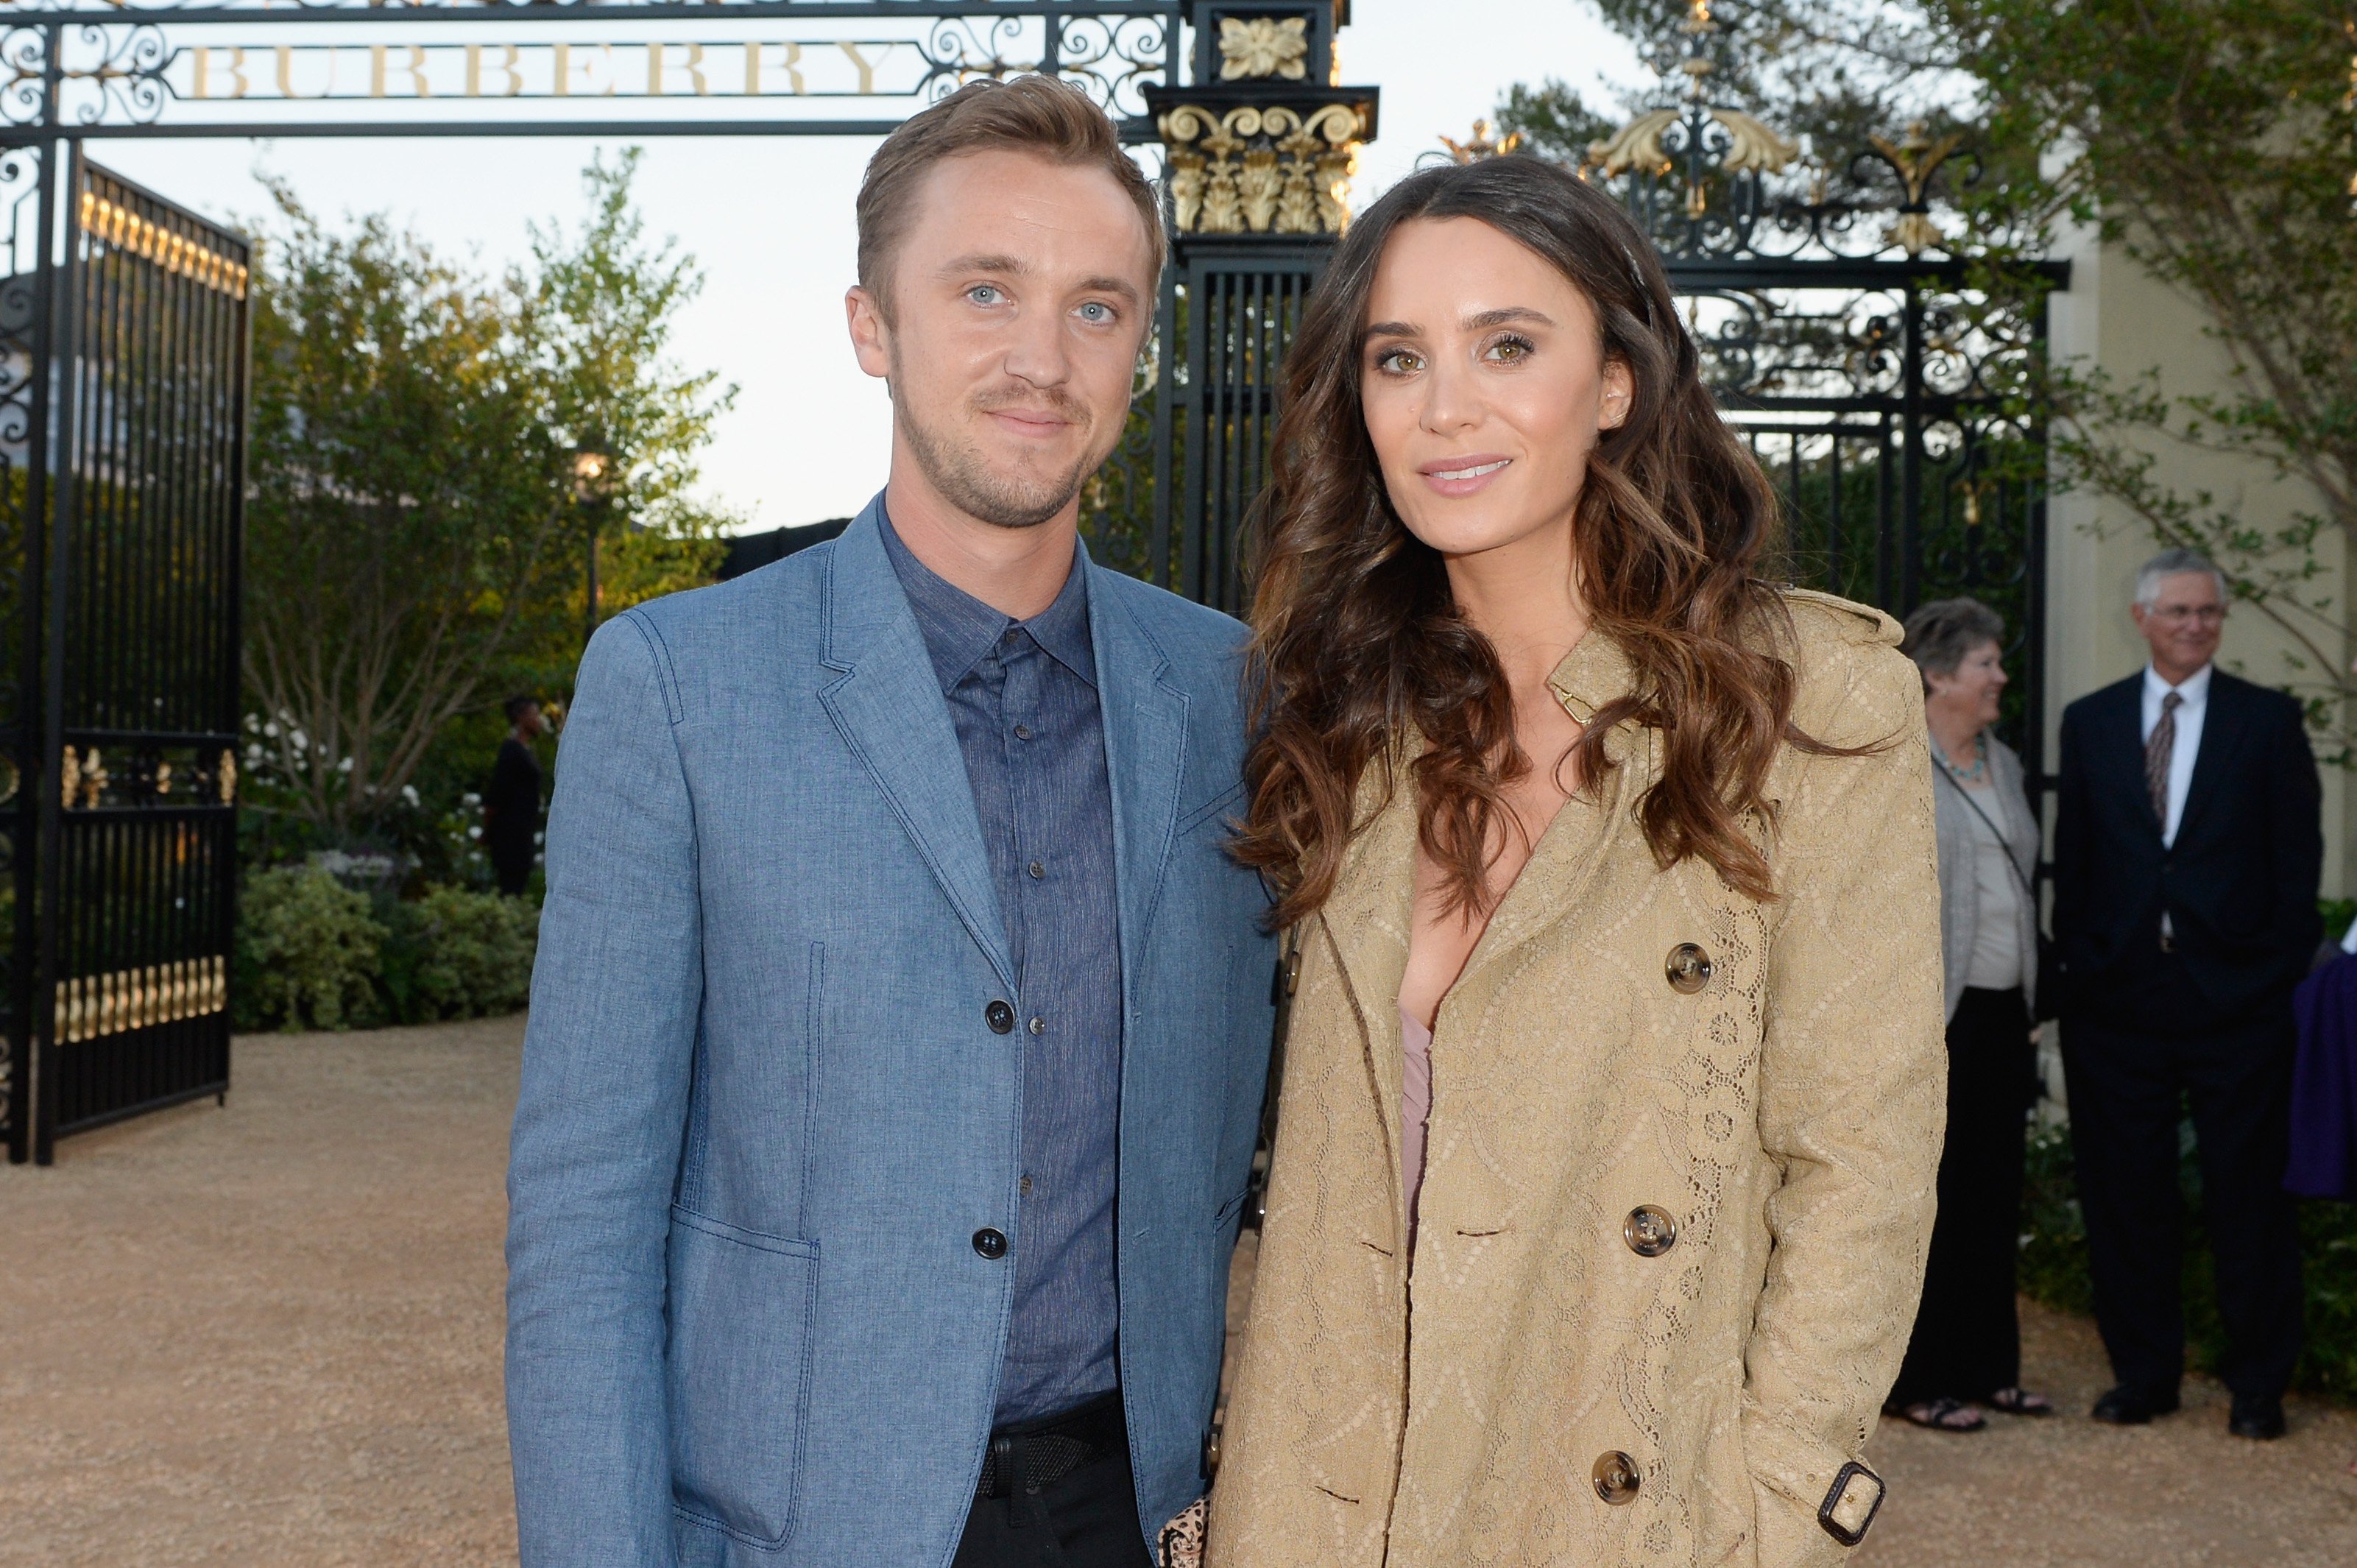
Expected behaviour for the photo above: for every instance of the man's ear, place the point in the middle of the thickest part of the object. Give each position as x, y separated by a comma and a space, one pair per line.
871, 334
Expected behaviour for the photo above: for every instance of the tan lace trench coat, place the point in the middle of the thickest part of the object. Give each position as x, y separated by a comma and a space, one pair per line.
1785, 1117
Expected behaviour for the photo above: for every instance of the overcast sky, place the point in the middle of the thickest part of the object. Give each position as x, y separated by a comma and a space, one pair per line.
770, 219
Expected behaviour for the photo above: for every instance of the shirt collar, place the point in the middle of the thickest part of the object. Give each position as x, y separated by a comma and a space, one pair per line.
960, 630
2192, 691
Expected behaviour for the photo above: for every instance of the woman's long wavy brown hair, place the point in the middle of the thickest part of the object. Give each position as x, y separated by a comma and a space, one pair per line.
1359, 638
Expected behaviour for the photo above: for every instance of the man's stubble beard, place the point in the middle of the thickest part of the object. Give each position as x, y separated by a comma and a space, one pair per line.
964, 478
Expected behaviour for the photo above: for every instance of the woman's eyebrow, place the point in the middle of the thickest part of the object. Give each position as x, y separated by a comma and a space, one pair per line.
1389, 329
1490, 318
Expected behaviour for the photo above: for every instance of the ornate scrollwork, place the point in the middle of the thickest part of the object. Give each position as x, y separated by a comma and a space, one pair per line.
1112, 58
25, 56
1115, 59
1261, 170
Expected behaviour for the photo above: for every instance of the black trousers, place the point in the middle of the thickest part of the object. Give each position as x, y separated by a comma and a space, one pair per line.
2127, 1088
512, 868
1967, 1340
1085, 1519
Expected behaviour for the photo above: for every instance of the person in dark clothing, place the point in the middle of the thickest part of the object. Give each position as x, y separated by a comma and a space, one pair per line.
511, 805
2187, 852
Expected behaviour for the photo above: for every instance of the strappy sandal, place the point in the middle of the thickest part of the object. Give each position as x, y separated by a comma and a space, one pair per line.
2019, 1402
1943, 1415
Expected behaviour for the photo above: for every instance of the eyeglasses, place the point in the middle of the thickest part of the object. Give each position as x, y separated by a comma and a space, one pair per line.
2177, 615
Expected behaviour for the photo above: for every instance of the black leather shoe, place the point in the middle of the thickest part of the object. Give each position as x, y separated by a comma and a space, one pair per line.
2260, 1419
2124, 1406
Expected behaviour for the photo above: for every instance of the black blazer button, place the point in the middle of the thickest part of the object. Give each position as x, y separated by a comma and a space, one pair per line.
1688, 968
1000, 1017
991, 1245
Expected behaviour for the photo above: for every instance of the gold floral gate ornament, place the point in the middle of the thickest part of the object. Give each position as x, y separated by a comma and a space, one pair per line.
1258, 147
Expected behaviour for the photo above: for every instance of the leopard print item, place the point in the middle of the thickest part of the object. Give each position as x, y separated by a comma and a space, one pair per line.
1181, 1542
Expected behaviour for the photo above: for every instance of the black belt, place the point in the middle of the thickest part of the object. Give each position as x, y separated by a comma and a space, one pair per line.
1033, 1454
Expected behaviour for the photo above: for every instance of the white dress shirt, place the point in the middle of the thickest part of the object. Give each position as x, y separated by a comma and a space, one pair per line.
2195, 692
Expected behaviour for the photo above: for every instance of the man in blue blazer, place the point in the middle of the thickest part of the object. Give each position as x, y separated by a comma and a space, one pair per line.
899, 1029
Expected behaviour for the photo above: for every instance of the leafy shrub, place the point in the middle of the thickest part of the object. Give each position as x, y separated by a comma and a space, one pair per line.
2055, 1266
308, 952
457, 954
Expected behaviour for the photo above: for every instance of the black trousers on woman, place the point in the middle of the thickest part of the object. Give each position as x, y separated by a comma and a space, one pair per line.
1967, 1340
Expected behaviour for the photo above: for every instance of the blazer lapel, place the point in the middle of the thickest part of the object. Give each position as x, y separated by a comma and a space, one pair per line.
2119, 744
889, 710
1144, 720
2222, 732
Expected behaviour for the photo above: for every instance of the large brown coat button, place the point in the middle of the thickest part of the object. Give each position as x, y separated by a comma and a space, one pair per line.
1648, 1230
1688, 968
1616, 1478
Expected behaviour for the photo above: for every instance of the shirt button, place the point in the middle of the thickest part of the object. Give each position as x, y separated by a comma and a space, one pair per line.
1025, 1187
999, 1016
1038, 1025
991, 1245
1037, 870
1023, 732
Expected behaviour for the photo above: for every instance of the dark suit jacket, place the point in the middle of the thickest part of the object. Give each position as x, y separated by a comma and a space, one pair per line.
2239, 882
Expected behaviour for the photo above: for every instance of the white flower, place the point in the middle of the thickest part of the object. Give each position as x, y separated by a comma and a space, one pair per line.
474, 832
299, 740
271, 730
345, 765
409, 793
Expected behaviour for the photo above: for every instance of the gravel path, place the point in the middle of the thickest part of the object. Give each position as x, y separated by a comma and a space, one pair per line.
268, 1334
271, 1335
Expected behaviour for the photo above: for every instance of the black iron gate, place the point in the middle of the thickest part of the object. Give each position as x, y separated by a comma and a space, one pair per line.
123, 516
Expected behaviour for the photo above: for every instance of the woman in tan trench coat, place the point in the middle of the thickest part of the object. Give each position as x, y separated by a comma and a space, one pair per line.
1618, 1267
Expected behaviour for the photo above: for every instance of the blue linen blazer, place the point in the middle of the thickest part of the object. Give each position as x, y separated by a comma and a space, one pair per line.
763, 1116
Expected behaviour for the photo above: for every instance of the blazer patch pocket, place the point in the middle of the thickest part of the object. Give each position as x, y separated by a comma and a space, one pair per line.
1219, 805
738, 1371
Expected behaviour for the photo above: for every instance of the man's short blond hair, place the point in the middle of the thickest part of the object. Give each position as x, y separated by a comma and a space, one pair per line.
1036, 115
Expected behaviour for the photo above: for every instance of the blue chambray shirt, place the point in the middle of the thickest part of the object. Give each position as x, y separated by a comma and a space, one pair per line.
1023, 697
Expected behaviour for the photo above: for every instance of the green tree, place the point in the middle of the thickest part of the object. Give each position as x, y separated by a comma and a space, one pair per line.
2215, 141
419, 514
601, 305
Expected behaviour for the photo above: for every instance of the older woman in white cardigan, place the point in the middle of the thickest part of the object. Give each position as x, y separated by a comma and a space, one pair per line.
1965, 1352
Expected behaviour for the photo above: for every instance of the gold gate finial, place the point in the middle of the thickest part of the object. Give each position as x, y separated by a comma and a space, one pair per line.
1481, 145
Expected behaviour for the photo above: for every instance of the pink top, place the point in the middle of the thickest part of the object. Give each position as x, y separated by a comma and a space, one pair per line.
1415, 1106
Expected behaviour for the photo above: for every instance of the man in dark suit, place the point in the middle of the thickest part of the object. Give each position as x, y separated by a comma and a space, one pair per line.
2187, 849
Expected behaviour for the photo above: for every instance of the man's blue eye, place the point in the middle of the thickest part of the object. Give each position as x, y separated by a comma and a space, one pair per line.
984, 294
1096, 312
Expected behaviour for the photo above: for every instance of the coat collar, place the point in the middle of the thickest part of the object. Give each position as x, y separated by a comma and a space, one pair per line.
888, 707
1145, 716
1370, 918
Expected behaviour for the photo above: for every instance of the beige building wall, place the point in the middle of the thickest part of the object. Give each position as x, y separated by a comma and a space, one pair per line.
2116, 316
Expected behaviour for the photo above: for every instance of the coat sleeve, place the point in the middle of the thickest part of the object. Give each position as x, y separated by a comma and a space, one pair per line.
1853, 1083
2070, 848
616, 997
2295, 825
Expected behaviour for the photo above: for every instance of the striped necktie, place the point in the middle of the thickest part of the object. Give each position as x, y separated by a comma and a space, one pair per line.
2157, 749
